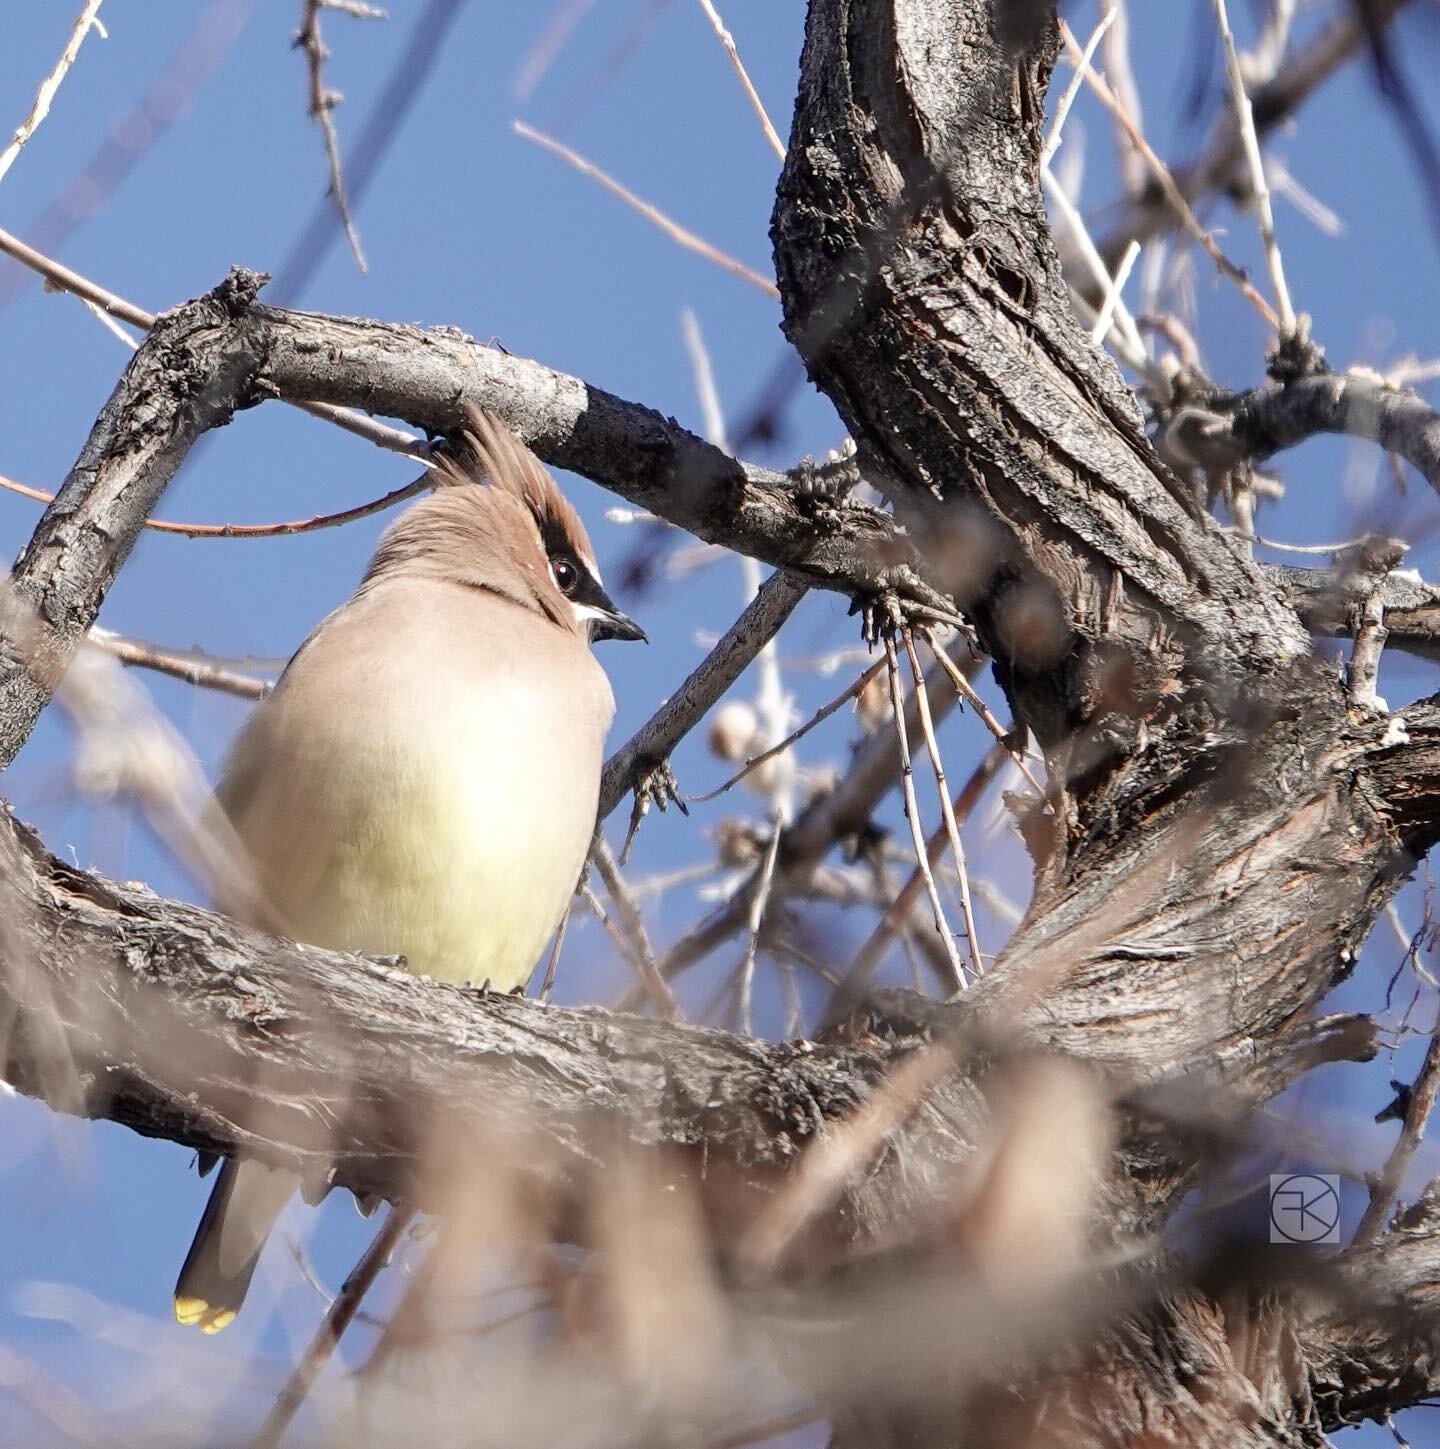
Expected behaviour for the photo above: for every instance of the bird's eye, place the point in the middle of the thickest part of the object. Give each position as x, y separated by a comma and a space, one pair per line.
567, 576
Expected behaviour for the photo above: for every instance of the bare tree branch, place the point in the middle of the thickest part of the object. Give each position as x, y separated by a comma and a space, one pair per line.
651, 745
1273, 103
1220, 830
137, 443
1328, 601
1279, 415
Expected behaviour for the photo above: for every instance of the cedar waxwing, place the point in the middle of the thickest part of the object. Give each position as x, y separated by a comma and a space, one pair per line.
423, 780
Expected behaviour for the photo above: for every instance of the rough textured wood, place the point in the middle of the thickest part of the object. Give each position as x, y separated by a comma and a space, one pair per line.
426, 377
181, 1024
189, 376
1224, 825
1278, 416
1228, 825
1328, 601
1210, 765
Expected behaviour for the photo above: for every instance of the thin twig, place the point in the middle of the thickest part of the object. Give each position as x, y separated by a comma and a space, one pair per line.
1301, 548
410, 72
654, 741
109, 323
912, 807
553, 964
1364, 672
794, 1010
1067, 98
957, 847
966, 691
772, 705
832, 815
998, 902
1095, 264
1270, 44
755, 919
584, 93
65, 280
1119, 67
1168, 188
728, 41
134, 131
541, 55
1250, 143
312, 1279
1284, 183
322, 106
771, 702
1113, 293
1276, 101
819, 717
140, 655
897, 913
652, 214
707, 394
46, 93
407, 1327
337, 1320
1412, 1130
629, 932
667, 880
1152, 373
255, 530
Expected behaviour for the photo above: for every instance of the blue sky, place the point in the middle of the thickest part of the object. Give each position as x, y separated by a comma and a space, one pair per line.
467, 224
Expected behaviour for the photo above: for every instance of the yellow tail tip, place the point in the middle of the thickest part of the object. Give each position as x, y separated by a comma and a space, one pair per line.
192, 1311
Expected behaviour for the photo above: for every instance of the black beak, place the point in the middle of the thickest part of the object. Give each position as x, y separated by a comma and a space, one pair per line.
612, 624
606, 621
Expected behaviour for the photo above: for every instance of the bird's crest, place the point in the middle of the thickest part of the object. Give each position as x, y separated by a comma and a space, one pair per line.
487, 449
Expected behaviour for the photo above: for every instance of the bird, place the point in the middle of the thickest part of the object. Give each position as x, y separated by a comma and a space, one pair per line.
422, 783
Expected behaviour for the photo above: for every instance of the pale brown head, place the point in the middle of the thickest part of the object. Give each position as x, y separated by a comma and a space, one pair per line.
498, 521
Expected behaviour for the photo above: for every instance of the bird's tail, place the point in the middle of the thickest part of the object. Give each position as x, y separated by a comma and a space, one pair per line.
247, 1199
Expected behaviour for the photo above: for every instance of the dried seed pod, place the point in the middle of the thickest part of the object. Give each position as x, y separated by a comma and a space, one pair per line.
734, 732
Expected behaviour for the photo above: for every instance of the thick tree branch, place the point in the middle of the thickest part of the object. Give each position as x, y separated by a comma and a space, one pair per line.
190, 375
426, 377
185, 1026
1373, 1344
211, 357
1328, 602
181, 1024
1269, 419
1227, 826
1183, 714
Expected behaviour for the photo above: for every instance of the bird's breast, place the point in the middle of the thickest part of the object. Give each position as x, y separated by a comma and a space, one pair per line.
438, 813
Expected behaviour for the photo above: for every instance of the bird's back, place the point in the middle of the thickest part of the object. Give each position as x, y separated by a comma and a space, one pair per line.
423, 781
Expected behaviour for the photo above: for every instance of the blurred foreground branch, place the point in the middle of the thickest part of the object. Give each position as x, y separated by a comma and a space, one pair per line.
180, 1024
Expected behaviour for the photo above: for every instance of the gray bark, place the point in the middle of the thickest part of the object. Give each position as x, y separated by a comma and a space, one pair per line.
1225, 823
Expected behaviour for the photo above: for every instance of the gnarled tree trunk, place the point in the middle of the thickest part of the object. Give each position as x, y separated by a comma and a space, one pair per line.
1224, 822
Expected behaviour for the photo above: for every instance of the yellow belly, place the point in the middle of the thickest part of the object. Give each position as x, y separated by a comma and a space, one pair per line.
418, 838
462, 869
